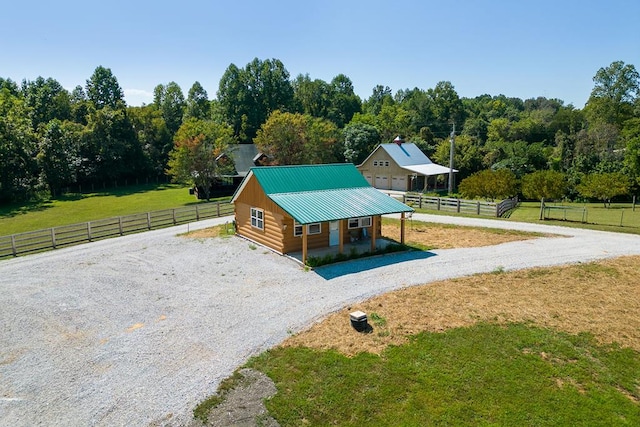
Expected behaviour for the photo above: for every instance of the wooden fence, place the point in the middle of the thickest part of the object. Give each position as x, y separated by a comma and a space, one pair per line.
68, 235
472, 207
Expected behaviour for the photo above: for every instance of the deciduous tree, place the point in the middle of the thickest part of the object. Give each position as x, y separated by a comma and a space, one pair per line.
197, 155
248, 96
359, 141
490, 184
543, 185
604, 186
293, 139
103, 89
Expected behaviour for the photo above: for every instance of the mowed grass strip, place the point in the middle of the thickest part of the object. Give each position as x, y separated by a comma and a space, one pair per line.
78, 208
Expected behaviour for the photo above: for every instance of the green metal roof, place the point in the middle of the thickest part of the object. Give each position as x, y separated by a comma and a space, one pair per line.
294, 179
331, 205
320, 193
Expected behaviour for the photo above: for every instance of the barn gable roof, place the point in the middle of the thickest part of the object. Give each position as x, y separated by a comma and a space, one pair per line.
409, 156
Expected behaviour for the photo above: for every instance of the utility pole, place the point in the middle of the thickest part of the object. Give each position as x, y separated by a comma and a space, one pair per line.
452, 140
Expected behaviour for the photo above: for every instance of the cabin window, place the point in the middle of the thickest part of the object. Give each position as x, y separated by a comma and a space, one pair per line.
361, 222
257, 218
386, 162
375, 163
314, 228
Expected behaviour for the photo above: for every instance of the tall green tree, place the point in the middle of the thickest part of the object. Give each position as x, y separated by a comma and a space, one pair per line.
248, 96
380, 96
47, 100
446, 107
617, 87
111, 150
153, 136
80, 105
103, 89
312, 97
169, 99
198, 105
18, 167
467, 158
58, 156
344, 103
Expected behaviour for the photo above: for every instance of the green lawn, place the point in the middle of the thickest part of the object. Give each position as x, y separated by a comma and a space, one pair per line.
77, 208
534, 377
619, 217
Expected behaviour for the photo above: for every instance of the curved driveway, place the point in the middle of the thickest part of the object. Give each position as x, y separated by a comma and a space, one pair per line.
137, 330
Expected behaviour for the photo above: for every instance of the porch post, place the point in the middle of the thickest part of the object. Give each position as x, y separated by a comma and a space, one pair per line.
304, 244
340, 236
402, 221
374, 225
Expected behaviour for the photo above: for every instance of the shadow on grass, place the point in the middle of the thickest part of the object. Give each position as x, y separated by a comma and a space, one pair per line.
333, 271
13, 210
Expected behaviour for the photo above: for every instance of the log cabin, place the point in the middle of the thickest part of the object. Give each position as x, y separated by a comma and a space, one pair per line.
297, 208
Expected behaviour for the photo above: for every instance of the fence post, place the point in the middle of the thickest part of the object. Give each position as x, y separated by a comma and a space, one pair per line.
149, 220
197, 214
53, 237
174, 216
621, 216
458, 206
120, 224
420, 204
89, 231
498, 210
438, 204
218, 208
13, 245
478, 208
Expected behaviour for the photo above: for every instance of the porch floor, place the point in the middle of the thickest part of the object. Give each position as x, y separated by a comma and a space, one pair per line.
360, 246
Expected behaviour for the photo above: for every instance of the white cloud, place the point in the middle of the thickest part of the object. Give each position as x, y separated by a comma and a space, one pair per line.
137, 97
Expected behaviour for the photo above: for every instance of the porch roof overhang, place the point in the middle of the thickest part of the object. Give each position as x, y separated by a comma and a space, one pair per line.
428, 169
331, 205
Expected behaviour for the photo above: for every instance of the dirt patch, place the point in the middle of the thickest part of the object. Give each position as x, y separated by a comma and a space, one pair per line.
216, 231
244, 405
442, 236
601, 298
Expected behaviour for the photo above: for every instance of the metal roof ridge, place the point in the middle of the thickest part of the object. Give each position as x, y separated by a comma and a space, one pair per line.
320, 191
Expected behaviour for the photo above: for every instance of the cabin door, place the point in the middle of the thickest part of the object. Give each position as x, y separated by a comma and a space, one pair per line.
334, 233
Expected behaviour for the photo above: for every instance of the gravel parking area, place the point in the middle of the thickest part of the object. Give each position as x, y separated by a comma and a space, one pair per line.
135, 331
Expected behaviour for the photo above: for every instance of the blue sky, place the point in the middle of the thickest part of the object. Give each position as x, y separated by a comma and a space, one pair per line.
520, 49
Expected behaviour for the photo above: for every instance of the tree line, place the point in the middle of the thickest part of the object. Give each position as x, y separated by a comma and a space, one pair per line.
52, 138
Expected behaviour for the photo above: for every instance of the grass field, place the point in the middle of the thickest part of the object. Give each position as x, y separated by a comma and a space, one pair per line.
77, 208
619, 217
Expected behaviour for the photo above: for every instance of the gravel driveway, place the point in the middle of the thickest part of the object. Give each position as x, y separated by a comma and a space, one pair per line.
137, 330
